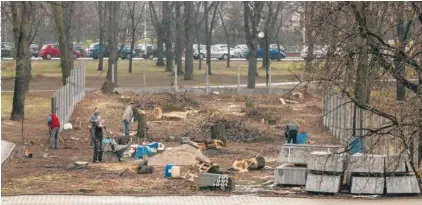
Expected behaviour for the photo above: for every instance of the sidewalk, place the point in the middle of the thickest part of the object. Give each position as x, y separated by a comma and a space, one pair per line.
6, 149
195, 200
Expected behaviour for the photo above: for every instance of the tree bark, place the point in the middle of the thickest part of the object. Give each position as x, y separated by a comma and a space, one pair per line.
22, 22
227, 38
160, 33
102, 15
252, 17
179, 40
113, 9
208, 30
189, 41
309, 15
58, 14
67, 16
167, 38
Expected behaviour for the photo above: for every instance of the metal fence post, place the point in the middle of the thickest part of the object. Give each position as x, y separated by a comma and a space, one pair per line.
175, 80
269, 83
207, 78
238, 79
112, 73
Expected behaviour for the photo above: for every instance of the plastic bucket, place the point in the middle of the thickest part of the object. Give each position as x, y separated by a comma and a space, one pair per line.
167, 170
175, 172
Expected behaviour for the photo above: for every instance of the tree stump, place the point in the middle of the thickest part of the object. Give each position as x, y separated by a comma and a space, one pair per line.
80, 165
108, 87
218, 132
141, 118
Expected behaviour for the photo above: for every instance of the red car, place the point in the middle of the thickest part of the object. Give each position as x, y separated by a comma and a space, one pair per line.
52, 51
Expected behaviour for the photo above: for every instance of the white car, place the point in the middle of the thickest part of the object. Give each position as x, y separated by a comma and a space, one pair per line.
319, 52
220, 54
275, 47
239, 50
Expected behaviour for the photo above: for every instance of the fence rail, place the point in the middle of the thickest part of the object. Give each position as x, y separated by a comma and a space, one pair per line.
380, 135
64, 99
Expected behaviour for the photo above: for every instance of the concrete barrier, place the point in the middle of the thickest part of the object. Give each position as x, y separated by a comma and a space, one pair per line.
300, 154
367, 185
402, 185
289, 174
396, 163
326, 162
367, 163
323, 183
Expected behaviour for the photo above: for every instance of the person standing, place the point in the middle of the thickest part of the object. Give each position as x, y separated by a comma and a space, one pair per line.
54, 127
127, 118
94, 121
98, 139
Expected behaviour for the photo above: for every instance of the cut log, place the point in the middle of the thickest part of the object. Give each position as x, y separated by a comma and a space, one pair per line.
142, 123
80, 165
157, 113
282, 101
175, 116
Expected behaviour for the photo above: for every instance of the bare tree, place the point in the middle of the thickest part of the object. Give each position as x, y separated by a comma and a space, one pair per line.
134, 24
167, 34
252, 18
22, 22
226, 32
113, 10
102, 16
208, 30
161, 34
189, 26
62, 13
269, 24
179, 38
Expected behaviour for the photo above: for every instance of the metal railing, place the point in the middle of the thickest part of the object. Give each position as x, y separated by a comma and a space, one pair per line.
380, 135
64, 99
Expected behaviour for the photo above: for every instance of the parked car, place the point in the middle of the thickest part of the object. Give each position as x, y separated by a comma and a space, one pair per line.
274, 54
52, 51
275, 47
219, 53
239, 50
319, 52
34, 50
81, 49
202, 53
7, 50
94, 51
140, 51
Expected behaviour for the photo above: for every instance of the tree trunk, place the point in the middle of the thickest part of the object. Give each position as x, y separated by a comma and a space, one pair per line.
102, 15
22, 22
113, 9
179, 40
189, 41
58, 15
227, 38
167, 30
67, 14
309, 14
207, 39
133, 30
160, 52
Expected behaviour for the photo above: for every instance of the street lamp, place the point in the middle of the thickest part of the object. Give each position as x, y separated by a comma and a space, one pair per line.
262, 35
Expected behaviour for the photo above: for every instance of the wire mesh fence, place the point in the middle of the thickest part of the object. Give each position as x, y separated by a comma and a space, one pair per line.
64, 99
379, 134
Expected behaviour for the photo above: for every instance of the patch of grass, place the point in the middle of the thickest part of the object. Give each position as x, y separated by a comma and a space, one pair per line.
52, 68
35, 105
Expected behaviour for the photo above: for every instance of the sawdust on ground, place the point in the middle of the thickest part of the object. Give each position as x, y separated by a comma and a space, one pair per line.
181, 155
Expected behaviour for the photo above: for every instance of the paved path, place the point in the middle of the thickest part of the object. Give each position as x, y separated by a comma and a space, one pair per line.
6, 149
195, 200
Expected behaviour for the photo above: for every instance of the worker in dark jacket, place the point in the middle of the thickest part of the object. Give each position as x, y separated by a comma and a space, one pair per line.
98, 151
54, 127
291, 133
94, 120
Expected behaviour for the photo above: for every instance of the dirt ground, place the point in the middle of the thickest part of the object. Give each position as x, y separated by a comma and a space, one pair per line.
259, 119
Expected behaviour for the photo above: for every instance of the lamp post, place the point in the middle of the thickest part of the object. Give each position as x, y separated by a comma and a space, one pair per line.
262, 35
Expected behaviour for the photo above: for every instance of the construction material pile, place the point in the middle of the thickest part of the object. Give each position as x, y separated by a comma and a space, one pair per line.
182, 155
